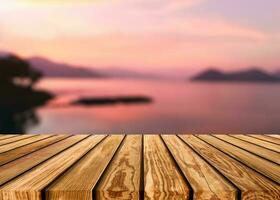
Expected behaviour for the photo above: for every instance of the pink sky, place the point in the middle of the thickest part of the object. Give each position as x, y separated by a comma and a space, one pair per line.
146, 34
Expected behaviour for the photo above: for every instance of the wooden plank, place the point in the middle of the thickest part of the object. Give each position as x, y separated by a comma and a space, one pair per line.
204, 180
115, 170
78, 182
252, 184
263, 152
14, 139
24, 150
162, 179
4, 137
29, 185
16, 144
27, 162
268, 139
265, 167
259, 142
274, 136
122, 178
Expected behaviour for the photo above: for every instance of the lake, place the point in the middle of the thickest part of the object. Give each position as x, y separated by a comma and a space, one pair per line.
178, 107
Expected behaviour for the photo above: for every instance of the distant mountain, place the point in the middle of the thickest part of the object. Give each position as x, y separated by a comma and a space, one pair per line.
251, 75
53, 69
277, 73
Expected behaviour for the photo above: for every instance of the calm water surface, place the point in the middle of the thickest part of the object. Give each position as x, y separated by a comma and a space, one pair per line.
178, 107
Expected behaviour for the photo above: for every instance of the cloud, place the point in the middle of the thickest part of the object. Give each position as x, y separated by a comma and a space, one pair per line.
41, 2
159, 6
202, 27
151, 4
143, 6
126, 16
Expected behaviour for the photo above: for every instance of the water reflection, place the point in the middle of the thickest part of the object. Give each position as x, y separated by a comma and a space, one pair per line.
13, 121
178, 106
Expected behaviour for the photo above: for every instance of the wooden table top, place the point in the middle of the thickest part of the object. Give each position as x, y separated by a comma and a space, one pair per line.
200, 167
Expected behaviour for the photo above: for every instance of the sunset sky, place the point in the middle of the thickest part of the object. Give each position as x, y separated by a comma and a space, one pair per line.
146, 34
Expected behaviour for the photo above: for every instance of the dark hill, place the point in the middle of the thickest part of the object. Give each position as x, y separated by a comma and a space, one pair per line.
277, 73
251, 75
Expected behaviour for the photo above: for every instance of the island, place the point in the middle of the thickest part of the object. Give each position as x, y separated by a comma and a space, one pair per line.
250, 75
112, 100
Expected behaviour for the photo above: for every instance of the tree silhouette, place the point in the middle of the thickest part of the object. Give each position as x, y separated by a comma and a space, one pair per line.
16, 71
18, 97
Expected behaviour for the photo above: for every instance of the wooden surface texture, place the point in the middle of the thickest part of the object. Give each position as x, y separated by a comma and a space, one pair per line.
152, 167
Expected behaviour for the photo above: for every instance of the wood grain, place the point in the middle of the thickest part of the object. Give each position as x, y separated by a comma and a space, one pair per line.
204, 180
265, 167
263, 152
14, 139
4, 137
274, 136
252, 185
65, 167
267, 138
27, 149
122, 178
79, 181
162, 180
21, 165
259, 142
30, 185
19, 143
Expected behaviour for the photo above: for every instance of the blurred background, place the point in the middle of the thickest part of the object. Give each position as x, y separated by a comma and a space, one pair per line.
139, 66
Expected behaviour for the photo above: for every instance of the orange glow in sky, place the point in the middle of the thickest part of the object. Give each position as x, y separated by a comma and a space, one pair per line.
144, 33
